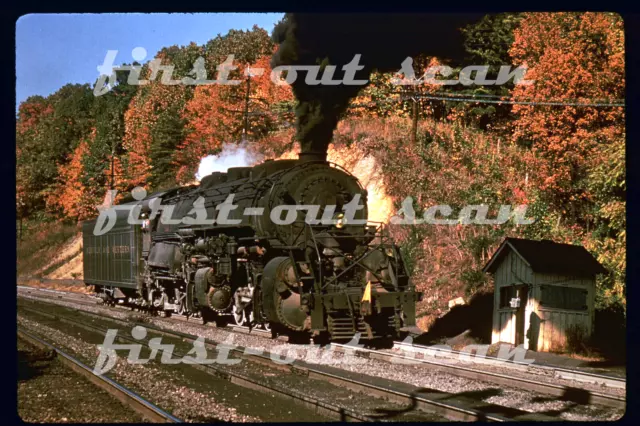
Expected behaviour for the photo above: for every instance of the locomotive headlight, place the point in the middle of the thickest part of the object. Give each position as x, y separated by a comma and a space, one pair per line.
341, 221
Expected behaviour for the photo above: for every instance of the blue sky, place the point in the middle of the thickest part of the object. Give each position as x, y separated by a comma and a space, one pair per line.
55, 49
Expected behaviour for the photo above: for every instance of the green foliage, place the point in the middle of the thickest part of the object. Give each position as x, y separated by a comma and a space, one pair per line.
479, 245
183, 58
411, 249
166, 135
487, 42
48, 129
246, 46
473, 280
106, 148
608, 184
73, 117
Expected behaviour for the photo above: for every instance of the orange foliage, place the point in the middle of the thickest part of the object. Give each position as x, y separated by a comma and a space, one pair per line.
31, 113
572, 58
264, 89
73, 197
215, 115
139, 119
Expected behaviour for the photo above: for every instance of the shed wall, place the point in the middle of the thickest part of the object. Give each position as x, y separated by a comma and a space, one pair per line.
550, 326
513, 270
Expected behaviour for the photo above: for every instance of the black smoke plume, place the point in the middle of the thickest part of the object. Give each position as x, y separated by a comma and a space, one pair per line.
383, 40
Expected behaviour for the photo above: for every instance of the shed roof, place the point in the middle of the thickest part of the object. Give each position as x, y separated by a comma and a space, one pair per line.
548, 257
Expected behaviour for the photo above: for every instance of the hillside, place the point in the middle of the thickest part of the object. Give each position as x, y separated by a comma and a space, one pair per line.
52, 252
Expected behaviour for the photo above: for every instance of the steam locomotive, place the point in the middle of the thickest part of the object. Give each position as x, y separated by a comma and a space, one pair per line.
329, 278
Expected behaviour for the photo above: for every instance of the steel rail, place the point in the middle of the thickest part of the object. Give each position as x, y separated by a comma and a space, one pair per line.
556, 371
321, 407
434, 404
578, 395
131, 399
559, 372
582, 395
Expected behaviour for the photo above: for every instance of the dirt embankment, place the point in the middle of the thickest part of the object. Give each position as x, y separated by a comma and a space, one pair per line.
56, 265
67, 264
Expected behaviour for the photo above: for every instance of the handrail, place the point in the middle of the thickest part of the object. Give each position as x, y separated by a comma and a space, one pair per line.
379, 233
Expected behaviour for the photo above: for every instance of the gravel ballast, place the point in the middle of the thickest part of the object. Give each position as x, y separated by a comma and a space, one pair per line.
418, 375
277, 378
49, 392
169, 390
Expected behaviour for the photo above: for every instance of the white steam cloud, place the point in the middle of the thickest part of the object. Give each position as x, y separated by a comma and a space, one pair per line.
232, 155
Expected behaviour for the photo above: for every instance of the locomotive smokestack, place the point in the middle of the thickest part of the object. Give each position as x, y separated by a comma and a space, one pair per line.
313, 156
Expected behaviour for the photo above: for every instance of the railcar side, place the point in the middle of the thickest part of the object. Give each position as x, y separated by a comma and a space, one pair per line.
114, 259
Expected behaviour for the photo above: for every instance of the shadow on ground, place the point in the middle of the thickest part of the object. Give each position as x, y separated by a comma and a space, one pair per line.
476, 317
33, 363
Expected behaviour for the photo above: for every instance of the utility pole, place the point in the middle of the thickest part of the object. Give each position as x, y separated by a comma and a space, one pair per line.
245, 131
20, 214
113, 169
414, 124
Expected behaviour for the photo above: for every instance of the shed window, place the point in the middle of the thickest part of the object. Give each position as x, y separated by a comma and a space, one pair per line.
506, 294
558, 297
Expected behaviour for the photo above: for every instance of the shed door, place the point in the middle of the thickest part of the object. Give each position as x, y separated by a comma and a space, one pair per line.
521, 293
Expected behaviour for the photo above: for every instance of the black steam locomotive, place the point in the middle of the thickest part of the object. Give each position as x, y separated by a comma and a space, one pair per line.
330, 277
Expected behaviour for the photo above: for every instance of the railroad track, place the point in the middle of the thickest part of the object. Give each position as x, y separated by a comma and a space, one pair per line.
426, 351
558, 372
327, 409
439, 403
578, 395
131, 399
430, 355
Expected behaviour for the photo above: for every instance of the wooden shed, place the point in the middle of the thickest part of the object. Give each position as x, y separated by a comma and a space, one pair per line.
544, 293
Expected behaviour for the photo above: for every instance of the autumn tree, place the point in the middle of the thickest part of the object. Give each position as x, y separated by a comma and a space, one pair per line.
74, 198
47, 131
153, 122
218, 114
245, 46
574, 149
31, 178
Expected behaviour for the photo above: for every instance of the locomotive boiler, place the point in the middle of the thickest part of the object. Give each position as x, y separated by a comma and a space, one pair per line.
288, 257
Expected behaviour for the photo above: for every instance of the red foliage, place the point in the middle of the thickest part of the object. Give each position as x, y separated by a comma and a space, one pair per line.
30, 113
72, 196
